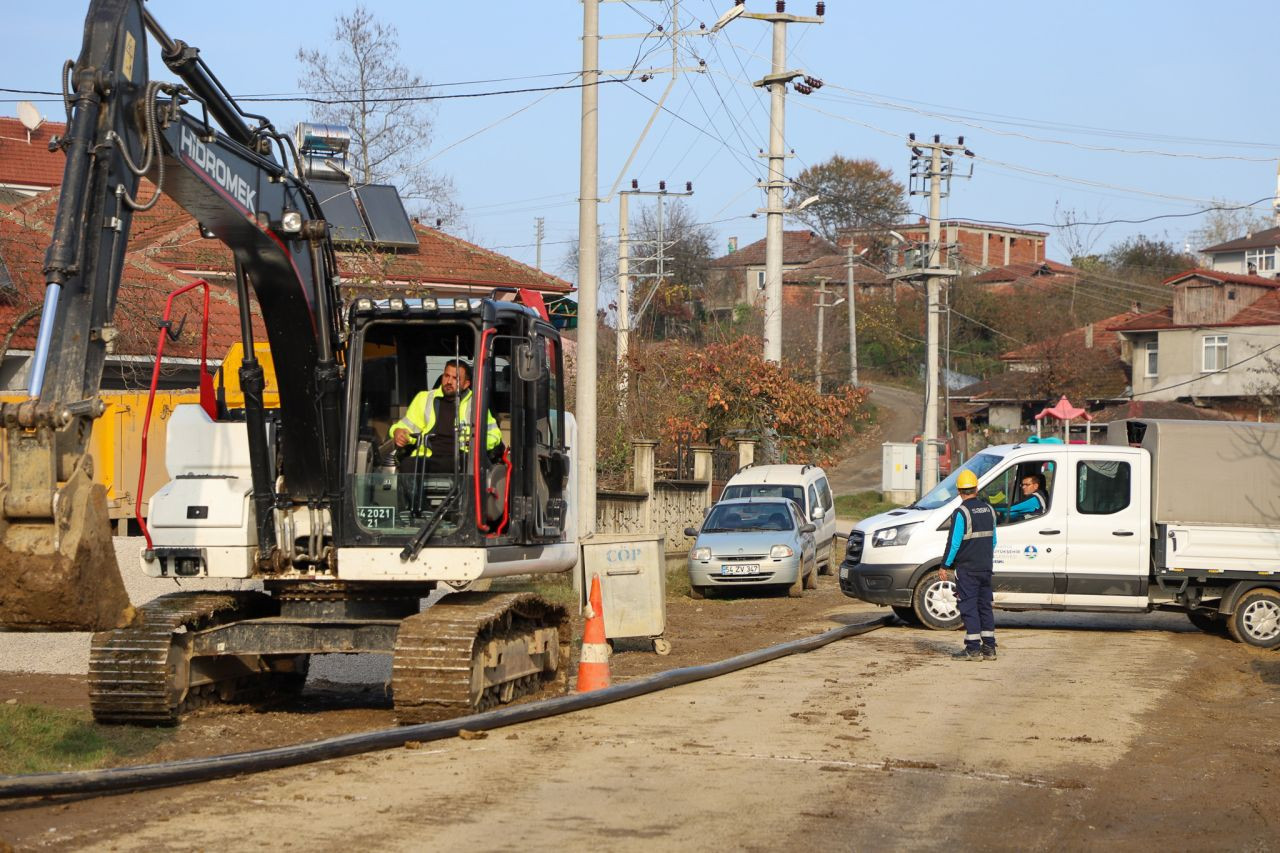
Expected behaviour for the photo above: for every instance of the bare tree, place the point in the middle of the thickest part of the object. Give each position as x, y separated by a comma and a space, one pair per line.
365, 86
1077, 234
851, 194
1227, 222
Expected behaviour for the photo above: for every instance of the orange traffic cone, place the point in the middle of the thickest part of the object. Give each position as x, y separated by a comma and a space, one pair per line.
593, 666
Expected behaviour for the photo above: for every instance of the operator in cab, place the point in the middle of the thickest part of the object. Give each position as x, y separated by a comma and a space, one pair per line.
970, 553
428, 425
1033, 500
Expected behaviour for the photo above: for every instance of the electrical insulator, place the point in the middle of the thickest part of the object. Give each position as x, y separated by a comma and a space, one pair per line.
937, 137
635, 185
662, 186
911, 136
659, 27
801, 88
822, 9
688, 186
960, 141
782, 6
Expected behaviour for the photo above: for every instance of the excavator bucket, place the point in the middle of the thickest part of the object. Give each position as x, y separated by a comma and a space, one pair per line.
61, 574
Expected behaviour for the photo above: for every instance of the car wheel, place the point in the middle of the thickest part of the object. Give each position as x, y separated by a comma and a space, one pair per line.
1208, 621
906, 614
827, 566
935, 603
796, 589
1256, 621
697, 593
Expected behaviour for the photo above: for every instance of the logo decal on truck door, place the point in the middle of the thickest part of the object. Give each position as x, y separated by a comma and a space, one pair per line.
1029, 552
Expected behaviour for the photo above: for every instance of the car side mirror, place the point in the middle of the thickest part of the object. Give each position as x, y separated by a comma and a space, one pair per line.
691, 532
807, 527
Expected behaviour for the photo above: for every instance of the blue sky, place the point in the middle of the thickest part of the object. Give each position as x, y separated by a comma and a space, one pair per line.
1182, 88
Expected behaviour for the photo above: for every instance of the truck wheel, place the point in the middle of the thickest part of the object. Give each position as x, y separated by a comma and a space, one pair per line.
935, 602
1208, 621
1256, 621
906, 614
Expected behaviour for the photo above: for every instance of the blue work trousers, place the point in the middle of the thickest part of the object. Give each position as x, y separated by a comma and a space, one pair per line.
974, 596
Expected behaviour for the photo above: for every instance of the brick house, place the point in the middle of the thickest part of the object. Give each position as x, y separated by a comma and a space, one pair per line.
966, 246
738, 277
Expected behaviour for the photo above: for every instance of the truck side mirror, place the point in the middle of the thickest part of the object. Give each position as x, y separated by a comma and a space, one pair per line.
817, 512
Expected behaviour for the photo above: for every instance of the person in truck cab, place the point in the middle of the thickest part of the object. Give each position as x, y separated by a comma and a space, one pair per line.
970, 552
428, 425
1033, 501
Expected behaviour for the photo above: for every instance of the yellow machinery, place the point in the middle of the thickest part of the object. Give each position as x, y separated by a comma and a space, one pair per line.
116, 445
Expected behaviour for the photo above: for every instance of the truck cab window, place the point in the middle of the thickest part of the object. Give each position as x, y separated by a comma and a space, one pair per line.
1102, 487
1021, 492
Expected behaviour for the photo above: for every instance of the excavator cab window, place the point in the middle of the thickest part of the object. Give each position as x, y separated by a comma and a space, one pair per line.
399, 487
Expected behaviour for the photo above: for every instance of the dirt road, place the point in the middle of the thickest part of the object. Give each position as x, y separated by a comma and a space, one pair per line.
898, 417
1089, 731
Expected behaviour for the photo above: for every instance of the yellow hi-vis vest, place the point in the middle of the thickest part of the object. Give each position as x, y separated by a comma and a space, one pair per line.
421, 417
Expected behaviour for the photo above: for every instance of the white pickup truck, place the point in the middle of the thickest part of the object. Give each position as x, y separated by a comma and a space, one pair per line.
1167, 515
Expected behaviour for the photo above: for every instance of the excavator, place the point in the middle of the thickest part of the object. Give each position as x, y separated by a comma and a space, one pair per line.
308, 503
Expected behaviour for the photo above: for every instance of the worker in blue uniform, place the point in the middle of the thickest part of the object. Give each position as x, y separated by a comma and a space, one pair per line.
970, 552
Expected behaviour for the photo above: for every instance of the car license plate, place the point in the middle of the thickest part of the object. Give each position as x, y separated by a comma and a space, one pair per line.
740, 569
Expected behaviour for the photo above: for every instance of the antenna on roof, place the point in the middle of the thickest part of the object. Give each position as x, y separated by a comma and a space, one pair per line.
29, 116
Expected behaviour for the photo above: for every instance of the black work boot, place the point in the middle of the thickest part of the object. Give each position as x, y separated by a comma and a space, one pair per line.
967, 654
988, 651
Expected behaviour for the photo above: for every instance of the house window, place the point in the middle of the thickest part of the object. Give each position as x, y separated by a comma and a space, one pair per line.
760, 279
1215, 353
1260, 260
1153, 355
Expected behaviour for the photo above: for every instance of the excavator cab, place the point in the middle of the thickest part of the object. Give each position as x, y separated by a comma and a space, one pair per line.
486, 464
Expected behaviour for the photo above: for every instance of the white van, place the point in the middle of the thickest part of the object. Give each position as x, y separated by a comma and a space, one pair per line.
807, 486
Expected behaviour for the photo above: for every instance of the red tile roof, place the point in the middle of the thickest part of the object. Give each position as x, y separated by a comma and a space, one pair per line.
144, 289
798, 247
1257, 240
1158, 409
1224, 277
1104, 337
25, 159
1024, 270
1265, 311
835, 268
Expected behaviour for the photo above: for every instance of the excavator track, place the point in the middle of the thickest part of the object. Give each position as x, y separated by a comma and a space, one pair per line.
474, 650
142, 673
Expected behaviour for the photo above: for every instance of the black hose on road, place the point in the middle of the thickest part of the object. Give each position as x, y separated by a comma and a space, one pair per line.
122, 779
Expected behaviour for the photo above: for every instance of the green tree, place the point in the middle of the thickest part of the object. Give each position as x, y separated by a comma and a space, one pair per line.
1147, 259
851, 194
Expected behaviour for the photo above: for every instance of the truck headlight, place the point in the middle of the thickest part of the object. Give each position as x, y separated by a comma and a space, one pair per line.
899, 535
701, 554
781, 552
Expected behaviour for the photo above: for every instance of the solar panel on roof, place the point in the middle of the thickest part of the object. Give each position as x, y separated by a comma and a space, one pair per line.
386, 216
340, 211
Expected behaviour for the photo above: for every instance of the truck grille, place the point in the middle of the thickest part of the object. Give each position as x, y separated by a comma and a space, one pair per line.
853, 553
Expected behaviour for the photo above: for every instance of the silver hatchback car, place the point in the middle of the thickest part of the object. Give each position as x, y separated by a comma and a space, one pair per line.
753, 542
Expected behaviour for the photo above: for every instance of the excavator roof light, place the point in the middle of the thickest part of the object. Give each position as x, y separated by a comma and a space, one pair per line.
396, 304
291, 222
429, 303
475, 304
364, 306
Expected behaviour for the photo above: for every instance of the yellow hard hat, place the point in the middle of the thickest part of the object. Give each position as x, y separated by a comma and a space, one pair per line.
967, 480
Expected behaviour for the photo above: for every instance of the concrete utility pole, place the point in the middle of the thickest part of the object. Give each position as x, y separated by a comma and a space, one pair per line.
624, 295
659, 258
776, 81
821, 305
937, 173
853, 314
539, 231
588, 269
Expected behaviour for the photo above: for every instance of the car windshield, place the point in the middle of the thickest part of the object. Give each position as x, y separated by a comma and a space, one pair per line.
766, 516
765, 490
946, 490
